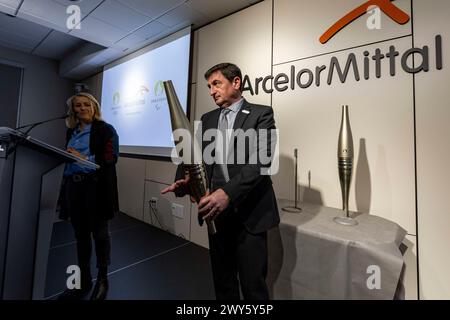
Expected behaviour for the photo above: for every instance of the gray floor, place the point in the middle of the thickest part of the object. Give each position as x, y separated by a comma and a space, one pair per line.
146, 263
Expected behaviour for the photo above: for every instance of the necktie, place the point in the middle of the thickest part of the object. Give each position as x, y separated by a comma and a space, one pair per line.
220, 174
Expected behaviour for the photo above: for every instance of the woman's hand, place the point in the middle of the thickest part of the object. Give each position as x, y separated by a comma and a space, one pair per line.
76, 153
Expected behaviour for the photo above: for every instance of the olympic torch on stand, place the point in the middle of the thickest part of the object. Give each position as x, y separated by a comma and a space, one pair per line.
345, 166
198, 182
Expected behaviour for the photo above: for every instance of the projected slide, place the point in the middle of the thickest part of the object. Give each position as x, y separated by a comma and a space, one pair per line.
133, 97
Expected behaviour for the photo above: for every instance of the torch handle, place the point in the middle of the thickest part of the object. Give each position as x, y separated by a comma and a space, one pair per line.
198, 186
211, 226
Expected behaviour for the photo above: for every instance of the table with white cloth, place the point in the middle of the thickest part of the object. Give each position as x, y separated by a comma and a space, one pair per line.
312, 257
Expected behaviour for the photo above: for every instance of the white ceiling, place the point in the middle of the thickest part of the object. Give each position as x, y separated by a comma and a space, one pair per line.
118, 27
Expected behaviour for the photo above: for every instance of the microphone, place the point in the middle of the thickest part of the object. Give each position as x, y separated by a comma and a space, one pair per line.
33, 125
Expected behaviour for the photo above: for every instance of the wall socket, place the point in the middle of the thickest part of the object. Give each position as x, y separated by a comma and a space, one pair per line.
178, 210
153, 203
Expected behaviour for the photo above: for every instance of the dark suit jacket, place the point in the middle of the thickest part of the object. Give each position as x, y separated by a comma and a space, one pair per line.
103, 143
252, 196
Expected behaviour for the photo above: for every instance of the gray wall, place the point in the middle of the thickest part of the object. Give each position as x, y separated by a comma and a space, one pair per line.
400, 123
43, 94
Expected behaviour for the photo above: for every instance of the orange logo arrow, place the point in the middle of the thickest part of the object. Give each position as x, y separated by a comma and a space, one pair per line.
385, 5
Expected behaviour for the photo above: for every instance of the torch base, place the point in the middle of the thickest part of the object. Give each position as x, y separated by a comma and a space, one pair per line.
346, 221
211, 227
292, 209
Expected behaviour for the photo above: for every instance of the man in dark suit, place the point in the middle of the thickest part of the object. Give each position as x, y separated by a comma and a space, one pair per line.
241, 200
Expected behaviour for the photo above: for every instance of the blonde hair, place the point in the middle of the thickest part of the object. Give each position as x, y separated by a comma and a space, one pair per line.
72, 120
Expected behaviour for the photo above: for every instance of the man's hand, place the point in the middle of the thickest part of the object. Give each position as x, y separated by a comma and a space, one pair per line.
179, 186
213, 204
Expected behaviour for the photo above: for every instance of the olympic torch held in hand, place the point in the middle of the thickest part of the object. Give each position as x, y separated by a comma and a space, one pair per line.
195, 170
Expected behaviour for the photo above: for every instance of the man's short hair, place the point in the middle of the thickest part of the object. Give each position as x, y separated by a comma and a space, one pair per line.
229, 71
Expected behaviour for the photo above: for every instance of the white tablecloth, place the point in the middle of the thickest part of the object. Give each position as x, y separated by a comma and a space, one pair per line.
312, 257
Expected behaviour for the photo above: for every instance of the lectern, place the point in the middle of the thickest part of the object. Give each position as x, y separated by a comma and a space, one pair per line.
31, 173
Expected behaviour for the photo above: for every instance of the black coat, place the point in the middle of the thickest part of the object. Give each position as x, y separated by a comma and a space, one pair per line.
252, 198
103, 143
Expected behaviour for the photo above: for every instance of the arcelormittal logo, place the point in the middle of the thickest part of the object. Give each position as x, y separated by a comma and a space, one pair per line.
385, 5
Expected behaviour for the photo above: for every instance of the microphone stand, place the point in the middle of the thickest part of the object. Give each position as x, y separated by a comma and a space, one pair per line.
25, 134
33, 125
295, 208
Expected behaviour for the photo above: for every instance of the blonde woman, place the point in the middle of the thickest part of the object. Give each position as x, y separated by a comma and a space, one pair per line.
90, 197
